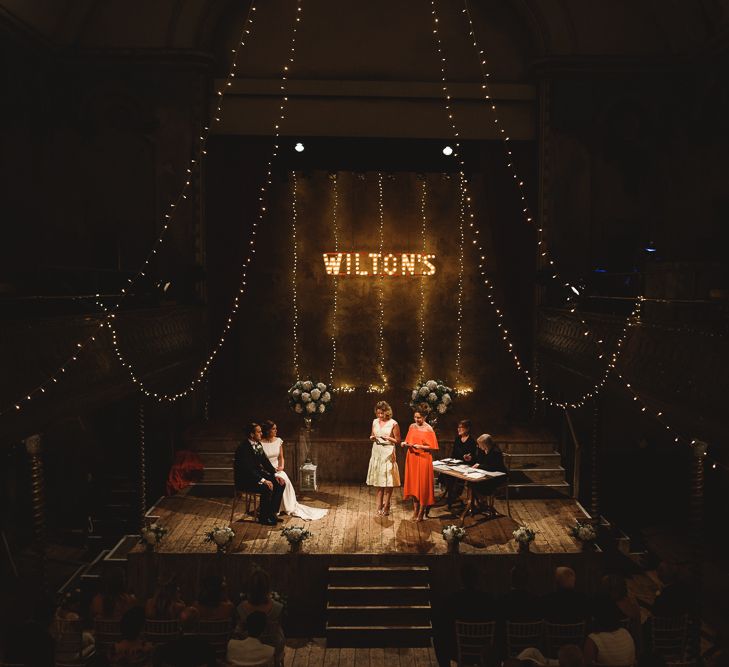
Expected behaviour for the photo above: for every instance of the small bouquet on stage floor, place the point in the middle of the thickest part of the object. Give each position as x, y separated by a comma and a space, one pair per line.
524, 536
436, 395
221, 536
153, 535
310, 398
584, 532
295, 536
453, 535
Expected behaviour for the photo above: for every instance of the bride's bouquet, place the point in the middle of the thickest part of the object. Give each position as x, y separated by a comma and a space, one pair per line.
310, 398
435, 394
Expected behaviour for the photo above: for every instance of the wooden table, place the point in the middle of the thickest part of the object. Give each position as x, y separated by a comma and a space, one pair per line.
469, 481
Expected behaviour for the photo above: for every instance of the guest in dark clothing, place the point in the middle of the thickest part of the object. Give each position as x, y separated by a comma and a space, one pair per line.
489, 457
254, 472
519, 604
565, 605
470, 603
674, 599
188, 650
31, 643
464, 449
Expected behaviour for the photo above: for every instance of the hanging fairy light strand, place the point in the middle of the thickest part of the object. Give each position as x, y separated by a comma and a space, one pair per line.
459, 323
335, 231
378, 389
251, 250
294, 266
167, 219
423, 226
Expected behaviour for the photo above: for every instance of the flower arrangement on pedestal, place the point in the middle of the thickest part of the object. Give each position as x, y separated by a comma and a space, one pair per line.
584, 532
524, 536
221, 536
436, 395
310, 398
453, 535
152, 535
295, 536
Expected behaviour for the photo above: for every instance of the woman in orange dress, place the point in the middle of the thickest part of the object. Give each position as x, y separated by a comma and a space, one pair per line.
420, 442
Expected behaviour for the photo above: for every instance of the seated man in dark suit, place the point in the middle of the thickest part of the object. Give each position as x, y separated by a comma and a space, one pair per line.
253, 472
565, 605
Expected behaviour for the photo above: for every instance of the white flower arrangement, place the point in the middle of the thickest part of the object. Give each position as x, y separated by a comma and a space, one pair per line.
153, 534
221, 536
435, 394
585, 532
296, 534
524, 535
310, 398
453, 533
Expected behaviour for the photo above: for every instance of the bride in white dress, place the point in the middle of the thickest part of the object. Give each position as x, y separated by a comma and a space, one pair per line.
273, 446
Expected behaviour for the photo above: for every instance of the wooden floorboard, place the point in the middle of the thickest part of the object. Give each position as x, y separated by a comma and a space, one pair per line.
352, 526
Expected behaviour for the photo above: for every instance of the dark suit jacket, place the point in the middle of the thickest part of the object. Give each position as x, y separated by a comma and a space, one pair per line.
674, 600
493, 461
520, 605
566, 606
250, 467
461, 448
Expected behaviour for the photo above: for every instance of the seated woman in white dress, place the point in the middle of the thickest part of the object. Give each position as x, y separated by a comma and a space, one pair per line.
273, 446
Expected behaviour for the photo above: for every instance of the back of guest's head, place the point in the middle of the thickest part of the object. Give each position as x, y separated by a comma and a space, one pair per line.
667, 573
188, 618
651, 659
255, 623
570, 655
267, 428
112, 587
385, 407
564, 578
614, 586
605, 615
250, 429
211, 591
132, 623
259, 587
519, 578
166, 595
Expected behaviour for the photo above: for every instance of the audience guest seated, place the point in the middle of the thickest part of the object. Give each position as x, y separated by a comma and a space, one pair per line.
30, 642
615, 588
519, 604
469, 603
250, 651
489, 457
569, 655
653, 659
259, 599
188, 650
565, 604
464, 449
213, 603
113, 600
165, 604
673, 599
609, 643
69, 610
132, 650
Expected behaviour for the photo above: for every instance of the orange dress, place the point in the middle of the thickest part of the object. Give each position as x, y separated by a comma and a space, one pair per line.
419, 466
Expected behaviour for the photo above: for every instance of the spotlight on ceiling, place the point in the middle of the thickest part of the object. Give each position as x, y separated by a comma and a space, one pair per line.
447, 150
299, 147
575, 290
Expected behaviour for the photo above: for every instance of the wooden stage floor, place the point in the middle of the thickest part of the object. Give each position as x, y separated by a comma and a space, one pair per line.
352, 526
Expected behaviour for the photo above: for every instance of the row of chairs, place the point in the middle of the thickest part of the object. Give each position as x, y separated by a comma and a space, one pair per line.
668, 637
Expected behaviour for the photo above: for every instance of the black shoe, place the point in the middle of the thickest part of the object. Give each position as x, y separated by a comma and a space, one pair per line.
267, 521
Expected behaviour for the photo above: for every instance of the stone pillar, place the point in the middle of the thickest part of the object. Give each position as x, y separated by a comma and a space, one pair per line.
696, 524
142, 490
595, 460
38, 502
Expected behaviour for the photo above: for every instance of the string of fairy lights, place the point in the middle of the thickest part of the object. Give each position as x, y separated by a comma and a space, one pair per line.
294, 267
168, 217
204, 369
644, 407
461, 250
373, 388
423, 236
335, 232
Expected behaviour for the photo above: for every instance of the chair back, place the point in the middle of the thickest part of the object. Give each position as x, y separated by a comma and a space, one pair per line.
68, 640
523, 634
669, 636
107, 631
474, 641
161, 632
557, 635
217, 633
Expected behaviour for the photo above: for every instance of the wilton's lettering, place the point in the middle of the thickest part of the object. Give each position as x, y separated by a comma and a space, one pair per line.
372, 264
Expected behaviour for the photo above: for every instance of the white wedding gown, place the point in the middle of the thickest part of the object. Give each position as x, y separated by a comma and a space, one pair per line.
289, 504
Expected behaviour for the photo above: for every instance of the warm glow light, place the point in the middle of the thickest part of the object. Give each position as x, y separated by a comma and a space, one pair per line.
447, 150
299, 147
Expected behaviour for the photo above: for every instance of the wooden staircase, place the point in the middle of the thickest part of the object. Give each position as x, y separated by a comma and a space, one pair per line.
386, 606
536, 466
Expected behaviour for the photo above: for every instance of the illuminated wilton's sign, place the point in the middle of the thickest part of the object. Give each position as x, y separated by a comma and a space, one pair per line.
379, 264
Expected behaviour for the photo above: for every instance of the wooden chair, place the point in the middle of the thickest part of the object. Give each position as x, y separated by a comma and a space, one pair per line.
669, 636
474, 642
217, 633
251, 500
161, 632
557, 635
502, 490
107, 631
523, 634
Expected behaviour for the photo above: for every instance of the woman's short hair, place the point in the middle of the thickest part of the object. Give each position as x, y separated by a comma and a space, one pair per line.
385, 407
466, 423
486, 440
267, 427
259, 587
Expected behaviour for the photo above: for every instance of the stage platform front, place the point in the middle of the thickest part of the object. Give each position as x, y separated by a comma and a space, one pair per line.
353, 534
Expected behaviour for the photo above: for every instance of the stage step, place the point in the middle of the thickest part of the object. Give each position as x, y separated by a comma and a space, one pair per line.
217, 459
537, 490
217, 476
378, 606
536, 476
538, 460
211, 443
527, 446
